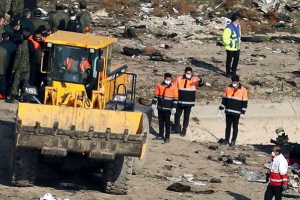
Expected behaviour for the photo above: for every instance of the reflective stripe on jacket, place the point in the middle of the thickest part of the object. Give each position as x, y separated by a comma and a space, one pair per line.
232, 37
83, 65
165, 96
235, 101
36, 45
187, 89
278, 171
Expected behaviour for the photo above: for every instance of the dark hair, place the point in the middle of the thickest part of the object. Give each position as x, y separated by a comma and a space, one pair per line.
1, 16
26, 12
42, 28
235, 17
26, 34
5, 36
38, 31
168, 75
235, 77
59, 7
188, 69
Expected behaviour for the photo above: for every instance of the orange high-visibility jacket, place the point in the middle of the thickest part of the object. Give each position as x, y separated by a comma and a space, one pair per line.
187, 89
35, 43
83, 65
165, 96
235, 101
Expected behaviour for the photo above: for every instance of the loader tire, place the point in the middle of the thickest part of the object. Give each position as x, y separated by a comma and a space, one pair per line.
24, 166
117, 174
138, 163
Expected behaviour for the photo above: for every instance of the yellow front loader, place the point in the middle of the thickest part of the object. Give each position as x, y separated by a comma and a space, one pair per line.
86, 114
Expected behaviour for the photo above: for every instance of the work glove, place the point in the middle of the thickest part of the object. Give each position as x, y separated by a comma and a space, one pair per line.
284, 187
242, 116
153, 107
220, 114
84, 75
207, 84
173, 111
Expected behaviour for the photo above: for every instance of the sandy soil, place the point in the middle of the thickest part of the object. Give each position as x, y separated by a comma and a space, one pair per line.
188, 155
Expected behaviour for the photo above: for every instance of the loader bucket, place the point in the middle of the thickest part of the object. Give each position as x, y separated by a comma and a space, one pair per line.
57, 130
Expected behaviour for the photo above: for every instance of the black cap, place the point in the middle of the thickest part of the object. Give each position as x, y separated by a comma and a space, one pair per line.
83, 4
168, 75
188, 69
15, 22
235, 78
37, 12
72, 13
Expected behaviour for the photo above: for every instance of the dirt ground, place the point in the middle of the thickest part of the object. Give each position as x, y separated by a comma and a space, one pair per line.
265, 74
268, 78
165, 164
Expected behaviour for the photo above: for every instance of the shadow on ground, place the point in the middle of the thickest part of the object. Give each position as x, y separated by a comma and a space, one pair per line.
205, 65
237, 196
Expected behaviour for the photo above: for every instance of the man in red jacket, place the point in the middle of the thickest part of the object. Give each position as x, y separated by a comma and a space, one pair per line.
277, 175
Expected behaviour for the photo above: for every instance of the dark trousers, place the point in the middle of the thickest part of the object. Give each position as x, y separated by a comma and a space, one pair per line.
231, 120
164, 121
273, 191
235, 55
186, 116
3, 85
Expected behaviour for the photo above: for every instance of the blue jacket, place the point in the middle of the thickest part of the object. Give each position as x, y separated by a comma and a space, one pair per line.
11, 49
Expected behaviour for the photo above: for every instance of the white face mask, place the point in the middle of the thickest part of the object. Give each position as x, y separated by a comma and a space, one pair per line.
234, 84
167, 82
73, 18
273, 154
188, 75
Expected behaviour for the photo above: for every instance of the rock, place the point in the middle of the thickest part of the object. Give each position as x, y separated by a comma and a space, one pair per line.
178, 187
169, 159
213, 147
148, 51
215, 180
168, 167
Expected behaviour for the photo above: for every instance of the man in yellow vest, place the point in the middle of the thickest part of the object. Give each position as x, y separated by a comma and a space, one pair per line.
232, 43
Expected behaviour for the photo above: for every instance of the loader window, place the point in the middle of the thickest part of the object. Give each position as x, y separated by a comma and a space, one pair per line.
73, 64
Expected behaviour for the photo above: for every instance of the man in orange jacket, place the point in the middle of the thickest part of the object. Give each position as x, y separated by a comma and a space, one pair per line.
74, 65
187, 85
234, 102
165, 100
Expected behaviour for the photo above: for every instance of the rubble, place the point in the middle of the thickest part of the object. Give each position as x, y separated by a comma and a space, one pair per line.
178, 187
277, 5
249, 175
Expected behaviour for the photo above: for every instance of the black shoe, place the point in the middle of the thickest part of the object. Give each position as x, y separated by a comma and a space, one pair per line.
232, 144
158, 138
167, 141
183, 132
11, 100
228, 75
225, 142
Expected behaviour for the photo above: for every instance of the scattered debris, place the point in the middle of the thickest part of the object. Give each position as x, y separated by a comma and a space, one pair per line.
213, 147
178, 187
259, 55
249, 175
215, 180
190, 178
168, 167
205, 192
131, 51
237, 162
282, 138
149, 51
255, 83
